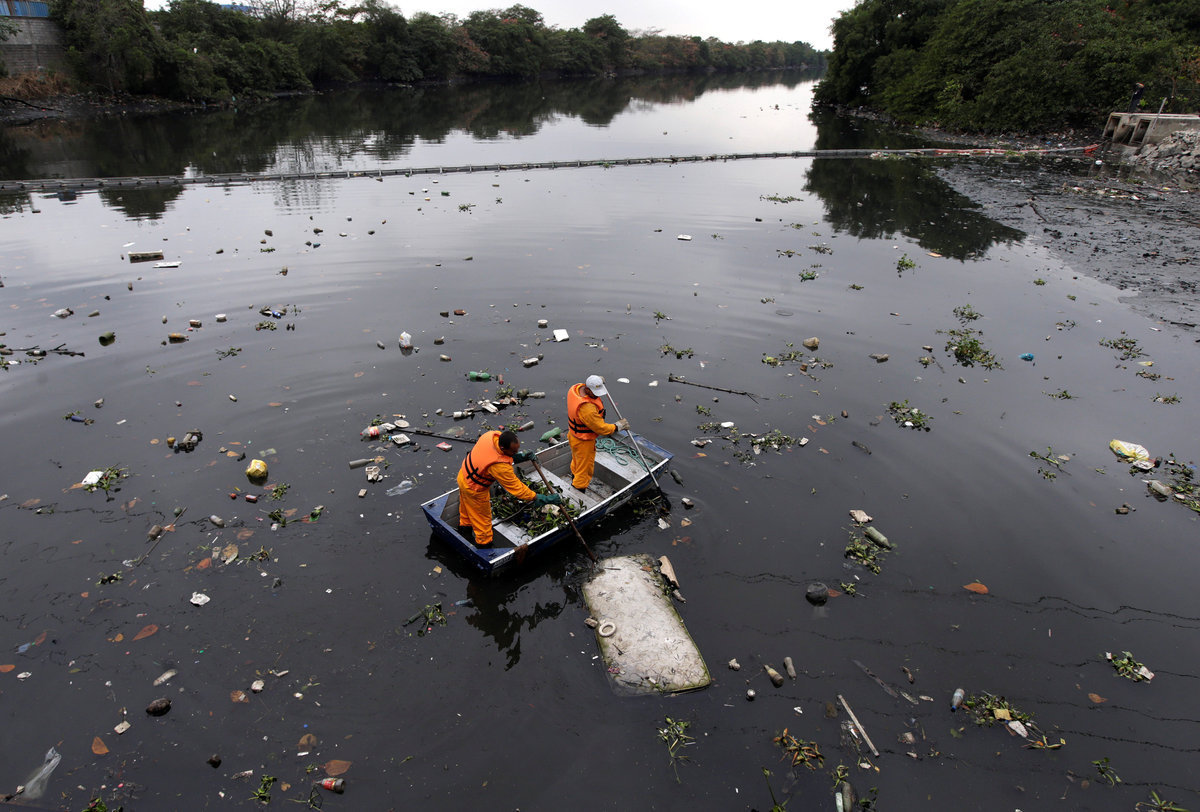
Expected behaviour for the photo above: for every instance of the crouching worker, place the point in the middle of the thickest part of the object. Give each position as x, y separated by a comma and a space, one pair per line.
491, 460
585, 417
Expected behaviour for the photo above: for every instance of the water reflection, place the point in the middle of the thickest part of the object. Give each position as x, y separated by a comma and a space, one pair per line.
493, 607
349, 129
882, 198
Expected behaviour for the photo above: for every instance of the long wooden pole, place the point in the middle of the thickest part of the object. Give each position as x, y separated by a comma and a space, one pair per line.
635, 443
570, 520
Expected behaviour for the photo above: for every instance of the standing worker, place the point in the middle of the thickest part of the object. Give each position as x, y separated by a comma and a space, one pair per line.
1138, 90
491, 460
585, 419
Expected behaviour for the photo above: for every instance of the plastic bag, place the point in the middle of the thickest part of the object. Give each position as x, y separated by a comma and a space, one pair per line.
1129, 451
404, 487
35, 786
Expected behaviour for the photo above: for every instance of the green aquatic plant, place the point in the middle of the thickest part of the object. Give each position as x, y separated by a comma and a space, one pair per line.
1127, 348
799, 751
675, 736
909, 416
968, 350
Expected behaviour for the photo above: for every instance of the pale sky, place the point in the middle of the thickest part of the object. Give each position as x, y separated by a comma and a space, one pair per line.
747, 20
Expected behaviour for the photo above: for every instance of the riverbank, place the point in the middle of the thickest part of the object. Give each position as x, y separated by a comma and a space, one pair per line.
1130, 230
76, 106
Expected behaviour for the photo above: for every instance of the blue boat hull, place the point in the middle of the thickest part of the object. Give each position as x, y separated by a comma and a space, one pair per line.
620, 476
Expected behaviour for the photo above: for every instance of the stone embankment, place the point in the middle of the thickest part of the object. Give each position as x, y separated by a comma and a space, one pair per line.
1178, 153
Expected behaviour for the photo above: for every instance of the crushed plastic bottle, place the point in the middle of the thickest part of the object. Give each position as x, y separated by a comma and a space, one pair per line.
957, 700
405, 341
404, 487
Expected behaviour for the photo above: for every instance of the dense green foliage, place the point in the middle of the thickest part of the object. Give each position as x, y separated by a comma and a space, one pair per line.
1000, 64
196, 49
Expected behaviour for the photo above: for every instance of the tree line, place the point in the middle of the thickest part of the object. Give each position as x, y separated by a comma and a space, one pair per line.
198, 50
990, 65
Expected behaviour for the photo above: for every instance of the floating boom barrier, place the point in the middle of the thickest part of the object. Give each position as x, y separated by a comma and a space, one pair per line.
242, 178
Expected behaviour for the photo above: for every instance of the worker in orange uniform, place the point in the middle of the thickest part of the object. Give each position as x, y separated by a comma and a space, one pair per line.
491, 460
585, 419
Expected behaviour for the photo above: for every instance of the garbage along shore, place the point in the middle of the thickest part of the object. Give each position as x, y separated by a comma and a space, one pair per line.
1136, 233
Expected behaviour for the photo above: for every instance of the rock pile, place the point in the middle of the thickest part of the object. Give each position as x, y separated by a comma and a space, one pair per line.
1178, 153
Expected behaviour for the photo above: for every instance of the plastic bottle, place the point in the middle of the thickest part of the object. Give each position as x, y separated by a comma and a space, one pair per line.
371, 431
957, 700
337, 785
479, 376
554, 432
405, 341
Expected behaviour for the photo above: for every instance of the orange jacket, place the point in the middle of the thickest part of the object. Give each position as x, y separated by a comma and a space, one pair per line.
485, 453
585, 416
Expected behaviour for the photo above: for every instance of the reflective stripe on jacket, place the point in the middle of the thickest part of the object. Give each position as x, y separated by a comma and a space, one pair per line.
482, 455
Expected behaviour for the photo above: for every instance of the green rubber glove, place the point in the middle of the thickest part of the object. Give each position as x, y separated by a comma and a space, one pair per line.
547, 499
523, 456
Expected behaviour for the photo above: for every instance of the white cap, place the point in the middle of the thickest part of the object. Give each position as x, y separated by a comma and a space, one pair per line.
596, 384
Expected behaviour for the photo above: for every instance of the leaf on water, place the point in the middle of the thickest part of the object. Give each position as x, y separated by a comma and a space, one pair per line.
275, 404
307, 742
194, 383
155, 441
4, 669
41, 638
289, 513
359, 374
231, 453
146, 632
834, 593
1097, 698
28, 503
244, 534
99, 747
336, 767
976, 587
238, 696
934, 254
117, 638
204, 564
128, 506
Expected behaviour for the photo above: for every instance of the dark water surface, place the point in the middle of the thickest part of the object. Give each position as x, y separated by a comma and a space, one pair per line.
508, 705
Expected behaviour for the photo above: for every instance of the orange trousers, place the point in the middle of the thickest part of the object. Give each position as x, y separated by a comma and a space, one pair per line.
475, 509
583, 461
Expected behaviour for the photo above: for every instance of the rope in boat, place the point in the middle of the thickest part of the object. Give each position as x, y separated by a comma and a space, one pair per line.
620, 452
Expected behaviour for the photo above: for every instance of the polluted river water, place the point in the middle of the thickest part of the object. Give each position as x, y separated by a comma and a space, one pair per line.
1021, 548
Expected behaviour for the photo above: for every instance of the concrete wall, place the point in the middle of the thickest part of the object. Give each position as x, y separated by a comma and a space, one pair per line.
1136, 129
36, 45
